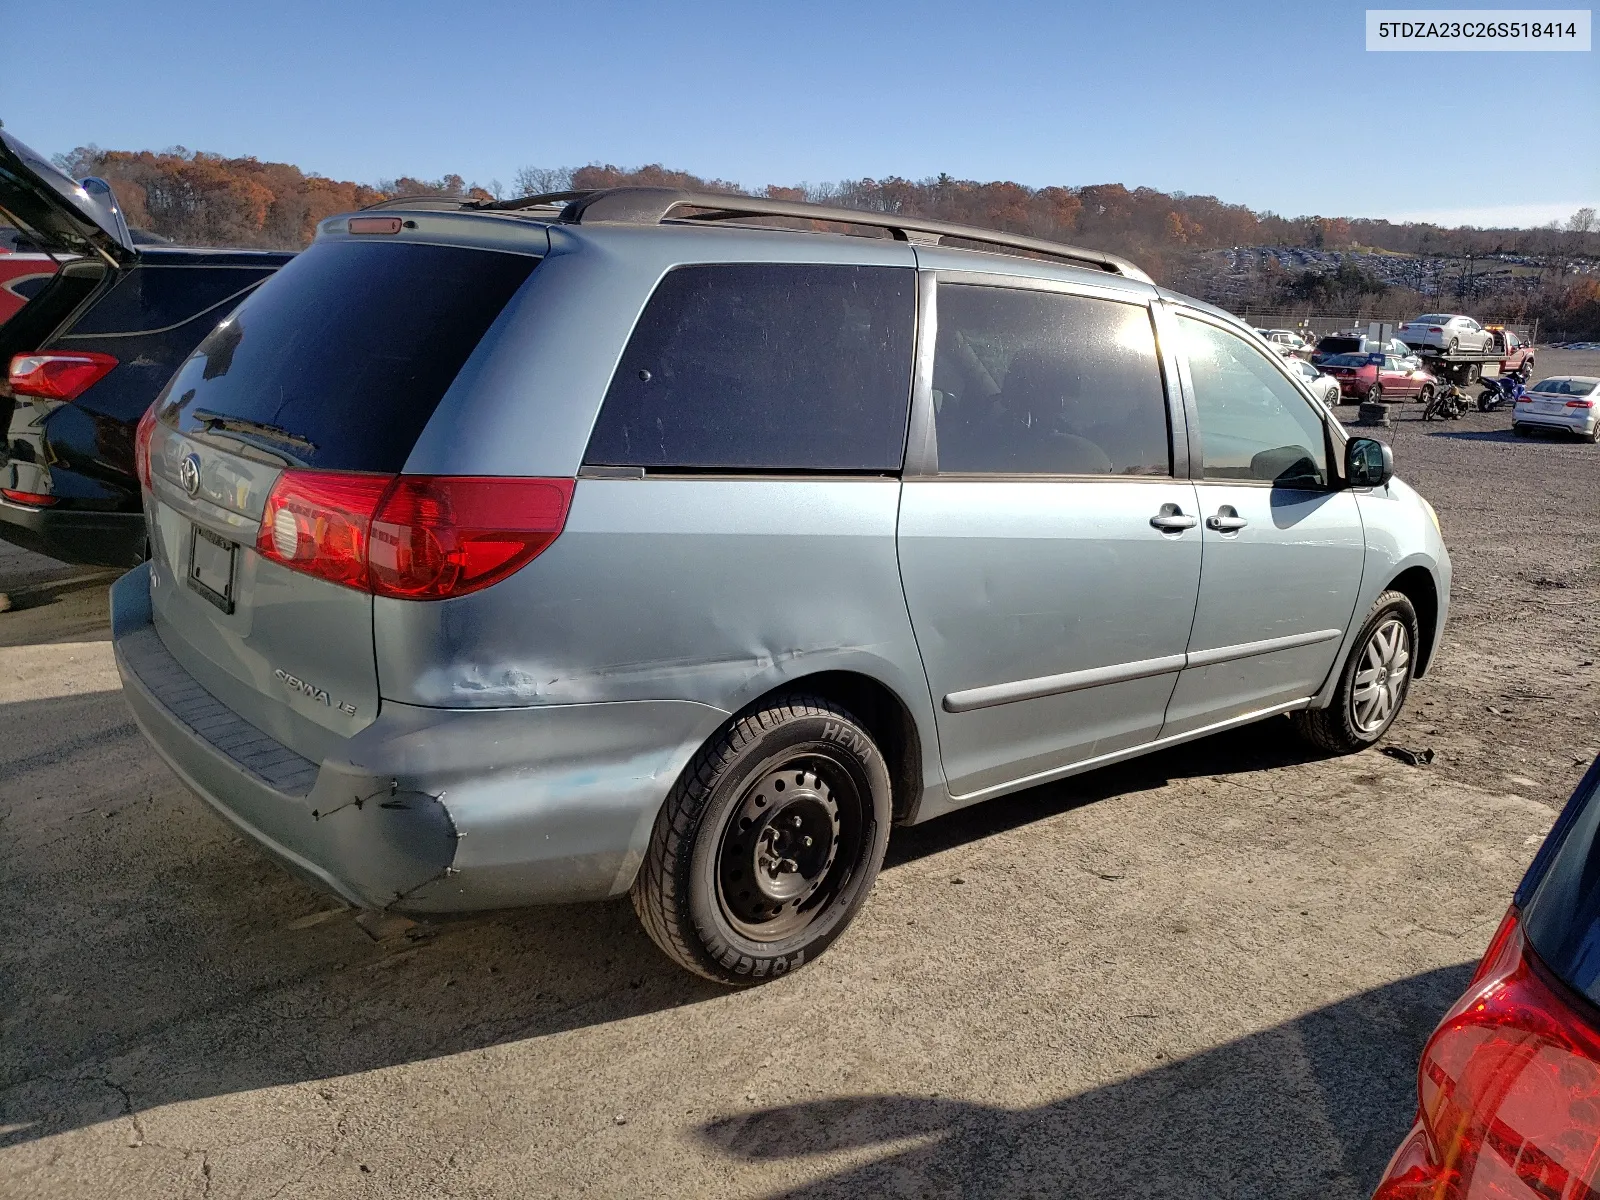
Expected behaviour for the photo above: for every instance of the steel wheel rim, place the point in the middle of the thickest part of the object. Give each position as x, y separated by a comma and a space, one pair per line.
788, 847
1382, 669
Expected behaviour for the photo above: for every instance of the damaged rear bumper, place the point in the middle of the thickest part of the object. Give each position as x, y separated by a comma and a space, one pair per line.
425, 810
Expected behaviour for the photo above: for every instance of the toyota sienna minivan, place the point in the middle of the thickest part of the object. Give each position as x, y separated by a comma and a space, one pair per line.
641, 541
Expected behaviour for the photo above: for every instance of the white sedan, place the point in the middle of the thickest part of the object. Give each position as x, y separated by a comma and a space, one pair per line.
1570, 402
1447, 332
1323, 387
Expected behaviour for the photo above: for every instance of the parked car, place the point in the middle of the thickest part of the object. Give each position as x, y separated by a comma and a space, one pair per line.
1360, 343
1506, 1092
87, 349
1362, 379
1324, 387
1560, 402
1516, 355
1448, 333
506, 555
23, 275
1285, 341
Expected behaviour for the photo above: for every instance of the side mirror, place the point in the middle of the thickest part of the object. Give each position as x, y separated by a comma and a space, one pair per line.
1367, 462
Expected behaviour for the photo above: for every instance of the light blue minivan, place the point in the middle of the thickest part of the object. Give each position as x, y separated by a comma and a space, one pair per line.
682, 544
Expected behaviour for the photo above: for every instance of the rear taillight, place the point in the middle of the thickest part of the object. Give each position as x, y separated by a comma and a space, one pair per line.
318, 522
415, 537
1509, 1090
58, 376
141, 446
37, 499
441, 535
1580, 403
1435, 328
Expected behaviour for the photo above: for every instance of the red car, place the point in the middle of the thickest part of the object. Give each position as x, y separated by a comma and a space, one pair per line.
1362, 379
1509, 1086
22, 277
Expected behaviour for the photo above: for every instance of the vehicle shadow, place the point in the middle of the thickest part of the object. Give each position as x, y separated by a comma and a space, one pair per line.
1266, 745
1313, 1107
164, 959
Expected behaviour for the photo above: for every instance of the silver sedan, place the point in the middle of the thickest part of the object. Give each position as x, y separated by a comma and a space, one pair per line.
1323, 387
1448, 332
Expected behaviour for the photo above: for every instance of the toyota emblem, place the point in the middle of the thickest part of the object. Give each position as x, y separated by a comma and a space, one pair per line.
189, 474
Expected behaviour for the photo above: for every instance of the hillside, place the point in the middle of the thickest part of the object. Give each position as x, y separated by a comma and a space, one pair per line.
1224, 252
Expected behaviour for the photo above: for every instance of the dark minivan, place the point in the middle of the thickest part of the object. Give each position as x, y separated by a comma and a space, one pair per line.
96, 341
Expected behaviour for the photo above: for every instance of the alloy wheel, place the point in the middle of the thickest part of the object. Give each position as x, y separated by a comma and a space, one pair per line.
1381, 678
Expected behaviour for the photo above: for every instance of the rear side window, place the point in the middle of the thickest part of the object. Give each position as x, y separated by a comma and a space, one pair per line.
1030, 382
1562, 917
152, 298
765, 366
339, 359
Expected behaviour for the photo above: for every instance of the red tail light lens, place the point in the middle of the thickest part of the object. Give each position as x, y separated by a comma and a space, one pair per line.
37, 499
58, 376
1580, 403
436, 536
1509, 1091
1435, 328
141, 446
415, 537
318, 521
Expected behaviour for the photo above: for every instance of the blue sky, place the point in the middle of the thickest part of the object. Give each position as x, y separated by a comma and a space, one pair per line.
1277, 106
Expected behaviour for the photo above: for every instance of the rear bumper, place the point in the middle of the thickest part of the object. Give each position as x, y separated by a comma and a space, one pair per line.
1582, 425
425, 810
104, 539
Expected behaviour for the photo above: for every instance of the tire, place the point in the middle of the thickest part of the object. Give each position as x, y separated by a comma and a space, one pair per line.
1425, 396
1365, 704
719, 829
1455, 344
1375, 394
1527, 371
1592, 437
1488, 401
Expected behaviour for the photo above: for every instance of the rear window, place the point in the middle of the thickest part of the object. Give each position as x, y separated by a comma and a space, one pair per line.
1345, 360
765, 366
1562, 916
1566, 387
153, 298
339, 359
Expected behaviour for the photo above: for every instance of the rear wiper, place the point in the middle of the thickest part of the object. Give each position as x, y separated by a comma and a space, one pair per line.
214, 420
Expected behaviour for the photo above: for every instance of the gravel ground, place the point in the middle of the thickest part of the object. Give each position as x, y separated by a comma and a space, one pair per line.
1205, 973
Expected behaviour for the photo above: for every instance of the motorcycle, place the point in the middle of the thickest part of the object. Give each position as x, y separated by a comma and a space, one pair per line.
1449, 403
1500, 393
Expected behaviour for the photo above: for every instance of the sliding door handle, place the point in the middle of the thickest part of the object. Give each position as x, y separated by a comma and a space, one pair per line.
1227, 520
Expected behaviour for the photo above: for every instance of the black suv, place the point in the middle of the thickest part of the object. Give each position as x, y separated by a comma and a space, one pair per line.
88, 353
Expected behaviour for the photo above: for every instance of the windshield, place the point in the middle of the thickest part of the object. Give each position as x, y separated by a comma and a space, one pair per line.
1567, 387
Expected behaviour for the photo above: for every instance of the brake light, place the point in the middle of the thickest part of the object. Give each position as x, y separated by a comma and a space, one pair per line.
58, 376
1509, 1090
1580, 403
318, 522
141, 447
414, 537
37, 499
1435, 328
436, 535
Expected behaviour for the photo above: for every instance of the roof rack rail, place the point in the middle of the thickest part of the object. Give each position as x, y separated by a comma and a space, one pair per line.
654, 205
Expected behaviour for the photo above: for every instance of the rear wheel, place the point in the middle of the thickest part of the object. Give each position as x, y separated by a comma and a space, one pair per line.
1375, 394
1426, 394
1373, 685
1527, 371
768, 844
1455, 344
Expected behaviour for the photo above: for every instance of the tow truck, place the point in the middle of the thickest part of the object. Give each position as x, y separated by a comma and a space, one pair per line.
1506, 354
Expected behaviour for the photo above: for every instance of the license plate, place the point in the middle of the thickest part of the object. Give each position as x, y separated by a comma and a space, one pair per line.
211, 567
1547, 407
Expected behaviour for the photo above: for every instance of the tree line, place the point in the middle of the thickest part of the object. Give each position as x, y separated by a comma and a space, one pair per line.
211, 199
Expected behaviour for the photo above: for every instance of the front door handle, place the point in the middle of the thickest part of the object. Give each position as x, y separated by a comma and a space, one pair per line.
1227, 520
1171, 519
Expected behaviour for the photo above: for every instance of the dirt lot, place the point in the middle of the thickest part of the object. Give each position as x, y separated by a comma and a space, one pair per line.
1207, 973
